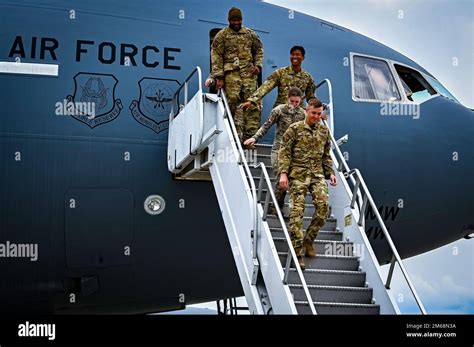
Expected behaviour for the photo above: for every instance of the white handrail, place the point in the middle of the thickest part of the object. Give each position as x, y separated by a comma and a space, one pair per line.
197, 70
267, 181
361, 187
175, 102
390, 241
331, 127
247, 171
330, 104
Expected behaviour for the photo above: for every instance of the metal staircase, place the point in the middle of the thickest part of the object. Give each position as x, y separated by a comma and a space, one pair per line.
342, 279
334, 278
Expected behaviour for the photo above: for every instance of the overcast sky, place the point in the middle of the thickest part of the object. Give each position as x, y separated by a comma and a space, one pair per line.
438, 35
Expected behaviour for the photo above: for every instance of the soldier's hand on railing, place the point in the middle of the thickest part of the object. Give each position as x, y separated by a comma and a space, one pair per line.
333, 180
245, 106
249, 142
283, 183
220, 83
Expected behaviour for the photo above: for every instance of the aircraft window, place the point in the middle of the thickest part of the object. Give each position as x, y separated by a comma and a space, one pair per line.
373, 80
419, 88
408, 91
440, 88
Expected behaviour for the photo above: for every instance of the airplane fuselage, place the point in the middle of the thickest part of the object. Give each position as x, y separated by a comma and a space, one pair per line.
75, 184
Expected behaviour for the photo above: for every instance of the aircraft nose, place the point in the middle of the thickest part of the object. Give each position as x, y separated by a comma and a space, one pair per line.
434, 164
453, 142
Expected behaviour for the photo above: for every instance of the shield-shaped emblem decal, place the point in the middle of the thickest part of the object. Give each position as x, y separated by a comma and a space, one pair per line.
153, 107
93, 102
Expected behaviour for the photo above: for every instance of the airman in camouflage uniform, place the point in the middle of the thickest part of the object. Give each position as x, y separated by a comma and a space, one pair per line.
237, 59
304, 159
283, 116
285, 78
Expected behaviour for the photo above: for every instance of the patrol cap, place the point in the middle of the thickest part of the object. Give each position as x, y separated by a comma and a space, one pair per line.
235, 13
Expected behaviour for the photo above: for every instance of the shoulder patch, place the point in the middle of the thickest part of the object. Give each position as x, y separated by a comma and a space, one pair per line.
219, 37
288, 133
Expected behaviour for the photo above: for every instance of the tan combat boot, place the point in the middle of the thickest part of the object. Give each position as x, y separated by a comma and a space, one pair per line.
309, 246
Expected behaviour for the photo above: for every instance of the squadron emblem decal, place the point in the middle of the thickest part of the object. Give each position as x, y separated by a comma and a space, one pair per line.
93, 101
153, 107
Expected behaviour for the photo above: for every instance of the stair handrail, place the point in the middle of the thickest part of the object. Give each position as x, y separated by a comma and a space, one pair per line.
175, 102
291, 255
243, 162
184, 85
253, 189
330, 105
362, 187
362, 191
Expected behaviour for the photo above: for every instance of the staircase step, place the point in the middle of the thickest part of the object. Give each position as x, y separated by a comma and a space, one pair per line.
263, 148
356, 295
322, 246
329, 235
201, 175
337, 308
265, 158
257, 179
330, 277
256, 171
274, 222
327, 262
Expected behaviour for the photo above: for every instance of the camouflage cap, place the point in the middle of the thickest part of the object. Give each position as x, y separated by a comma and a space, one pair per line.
235, 13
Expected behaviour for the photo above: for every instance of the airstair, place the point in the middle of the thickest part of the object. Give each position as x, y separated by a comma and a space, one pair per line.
344, 278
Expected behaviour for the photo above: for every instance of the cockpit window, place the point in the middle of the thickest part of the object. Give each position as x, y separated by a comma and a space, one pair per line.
373, 80
417, 89
440, 88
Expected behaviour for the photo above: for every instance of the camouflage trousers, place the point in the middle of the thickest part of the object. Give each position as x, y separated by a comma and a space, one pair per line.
280, 194
238, 90
318, 189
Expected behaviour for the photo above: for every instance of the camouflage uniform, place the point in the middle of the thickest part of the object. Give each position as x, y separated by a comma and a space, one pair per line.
234, 56
304, 157
283, 116
285, 78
